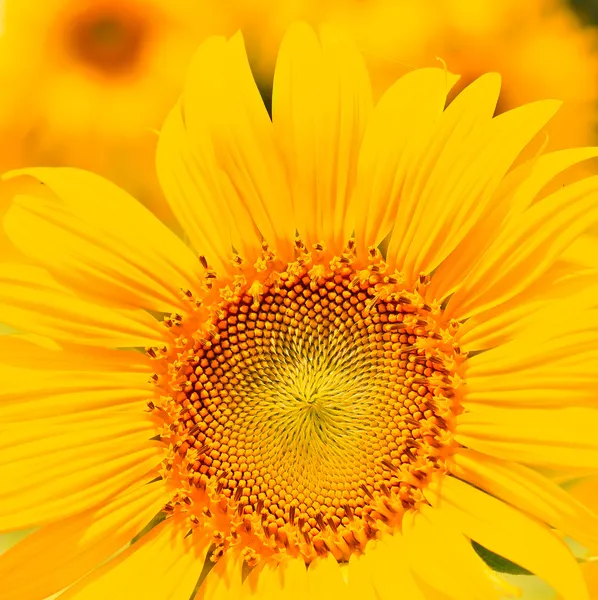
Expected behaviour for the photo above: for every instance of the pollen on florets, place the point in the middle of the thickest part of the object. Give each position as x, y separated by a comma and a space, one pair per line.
310, 405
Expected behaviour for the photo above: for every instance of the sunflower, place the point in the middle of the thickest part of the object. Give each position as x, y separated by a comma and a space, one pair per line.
309, 416
94, 78
541, 48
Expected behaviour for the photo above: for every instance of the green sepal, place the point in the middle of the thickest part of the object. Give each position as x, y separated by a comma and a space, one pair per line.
498, 563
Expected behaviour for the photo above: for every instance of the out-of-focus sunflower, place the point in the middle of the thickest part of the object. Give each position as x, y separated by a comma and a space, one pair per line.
540, 48
87, 82
311, 418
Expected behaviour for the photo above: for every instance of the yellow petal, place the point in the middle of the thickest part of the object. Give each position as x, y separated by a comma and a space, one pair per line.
516, 193
462, 185
186, 183
162, 565
324, 579
43, 490
510, 533
28, 350
529, 491
590, 572
361, 584
31, 301
286, 580
208, 164
96, 235
583, 252
320, 104
394, 144
442, 557
553, 438
389, 563
540, 360
55, 556
224, 581
69, 395
53, 438
541, 171
527, 313
526, 248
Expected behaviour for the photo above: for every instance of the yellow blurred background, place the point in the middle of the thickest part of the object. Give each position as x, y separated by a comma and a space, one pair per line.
87, 83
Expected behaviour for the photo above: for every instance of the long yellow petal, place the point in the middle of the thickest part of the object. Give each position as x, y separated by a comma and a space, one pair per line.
21, 442
320, 104
224, 580
162, 565
185, 183
286, 580
510, 533
526, 248
443, 558
360, 576
27, 350
390, 569
545, 437
31, 301
583, 252
529, 491
324, 579
515, 194
394, 143
461, 187
207, 163
557, 290
69, 395
55, 556
49, 491
96, 235
542, 366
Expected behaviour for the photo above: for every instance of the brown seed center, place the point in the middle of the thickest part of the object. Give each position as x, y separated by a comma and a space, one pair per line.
314, 414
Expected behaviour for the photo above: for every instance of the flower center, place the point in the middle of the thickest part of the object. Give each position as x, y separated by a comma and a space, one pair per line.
311, 409
108, 39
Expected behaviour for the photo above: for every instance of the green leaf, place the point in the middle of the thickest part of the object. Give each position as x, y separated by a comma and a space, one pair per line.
497, 562
155, 521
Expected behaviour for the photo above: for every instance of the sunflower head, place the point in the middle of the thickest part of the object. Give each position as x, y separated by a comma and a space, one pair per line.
352, 367
109, 39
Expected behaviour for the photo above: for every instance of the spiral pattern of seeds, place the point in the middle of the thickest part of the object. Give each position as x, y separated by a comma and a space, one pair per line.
315, 414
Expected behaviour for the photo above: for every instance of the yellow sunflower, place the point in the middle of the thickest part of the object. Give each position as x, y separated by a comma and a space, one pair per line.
86, 82
540, 48
311, 418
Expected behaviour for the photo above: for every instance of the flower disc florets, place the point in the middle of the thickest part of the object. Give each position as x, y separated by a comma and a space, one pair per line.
308, 409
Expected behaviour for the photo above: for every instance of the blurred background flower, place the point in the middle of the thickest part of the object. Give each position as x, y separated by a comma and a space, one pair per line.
87, 83
541, 48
